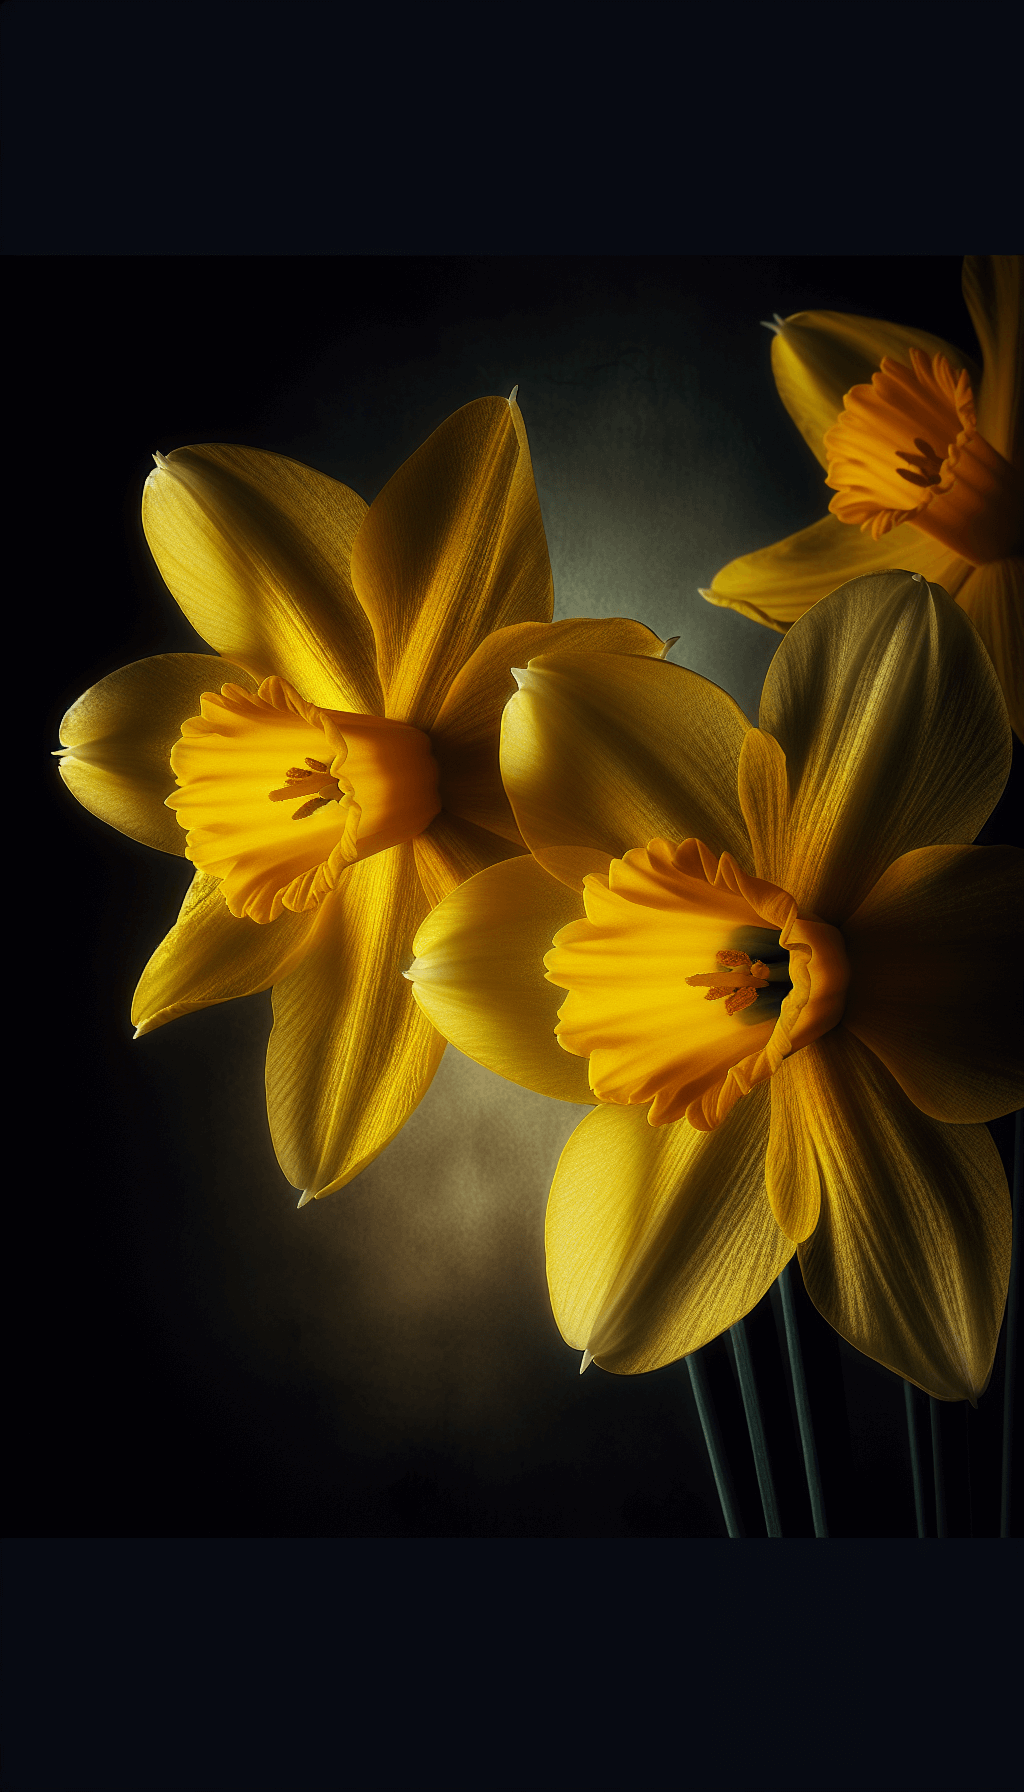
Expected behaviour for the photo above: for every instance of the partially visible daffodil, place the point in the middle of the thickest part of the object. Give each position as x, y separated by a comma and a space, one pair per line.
924, 454
791, 985
336, 771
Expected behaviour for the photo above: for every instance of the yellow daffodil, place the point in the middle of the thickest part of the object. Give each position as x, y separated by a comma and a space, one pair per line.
336, 771
924, 454
791, 985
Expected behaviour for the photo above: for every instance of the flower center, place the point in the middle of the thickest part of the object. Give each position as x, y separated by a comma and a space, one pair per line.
952, 484
634, 966
360, 784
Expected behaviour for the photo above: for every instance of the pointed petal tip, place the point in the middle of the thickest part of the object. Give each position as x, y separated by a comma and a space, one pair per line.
304, 1199
668, 645
512, 394
520, 674
775, 328
588, 1357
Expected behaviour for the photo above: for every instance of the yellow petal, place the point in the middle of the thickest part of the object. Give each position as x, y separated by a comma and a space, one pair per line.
122, 731
993, 598
992, 289
210, 957
894, 729
604, 752
775, 585
911, 1256
479, 975
452, 849
465, 734
257, 548
817, 356
351, 1055
452, 548
791, 1173
935, 984
659, 1238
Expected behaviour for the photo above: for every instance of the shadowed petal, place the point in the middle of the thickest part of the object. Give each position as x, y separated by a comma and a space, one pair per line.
122, 730
911, 1255
465, 734
992, 290
935, 985
604, 752
351, 1055
895, 733
479, 975
817, 356
256, 549
993, 598
659, 1238
777, 584
209, 956
452, 548
452, 849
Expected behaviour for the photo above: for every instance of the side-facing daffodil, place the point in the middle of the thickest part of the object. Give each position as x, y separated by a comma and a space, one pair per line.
792, 985
336, 771
924, 453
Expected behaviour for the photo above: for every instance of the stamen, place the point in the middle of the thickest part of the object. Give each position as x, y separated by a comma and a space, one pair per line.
296, 776
744, 982
929, 464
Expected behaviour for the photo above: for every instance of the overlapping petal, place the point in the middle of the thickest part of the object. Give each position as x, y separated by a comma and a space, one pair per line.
817, 356
992, 289
122, 730
910, 1258
479, 975
451, 549
895, 734
603, 752
659, 1238
209, 956
256, 549
450, 850
465, 734
777, 584
993, 597
351, 1054
936, 984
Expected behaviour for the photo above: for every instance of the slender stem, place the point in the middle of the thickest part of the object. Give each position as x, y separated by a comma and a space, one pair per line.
1010, 1377
713, 1439
937, 1469
916, 1458
755, 1426
803, 1404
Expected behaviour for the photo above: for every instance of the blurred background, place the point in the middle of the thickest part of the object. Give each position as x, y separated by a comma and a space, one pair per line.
191, 1355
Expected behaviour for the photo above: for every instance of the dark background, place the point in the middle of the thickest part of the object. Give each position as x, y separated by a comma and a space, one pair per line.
192, 1356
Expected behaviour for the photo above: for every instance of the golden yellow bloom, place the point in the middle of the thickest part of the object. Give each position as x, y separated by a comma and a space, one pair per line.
783, 1002
336, 770
924, 453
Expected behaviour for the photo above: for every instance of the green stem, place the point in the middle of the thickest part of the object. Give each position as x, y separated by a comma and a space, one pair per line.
803, 1404
1010, 1375
755, 1426
916, 1457
713, 1439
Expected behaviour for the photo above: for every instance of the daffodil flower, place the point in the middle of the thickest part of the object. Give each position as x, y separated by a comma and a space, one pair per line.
924, 453
792, 985
336, 771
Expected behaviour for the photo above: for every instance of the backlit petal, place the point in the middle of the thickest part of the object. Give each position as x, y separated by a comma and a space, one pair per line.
209, 956
993, 597
895, 733
256, 548
465, 734
604, 752
992, 290
450, 850
775, 585
818, 356
122, 731
351, 1055
452, 548
479, 975
910, 1259
935, 987
659, 1238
